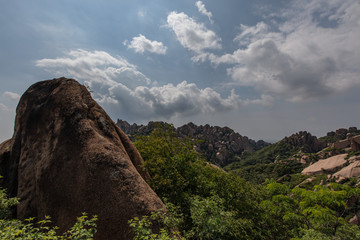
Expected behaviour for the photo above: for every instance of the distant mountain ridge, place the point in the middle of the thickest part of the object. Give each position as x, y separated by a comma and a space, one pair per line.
222, 145
219, 145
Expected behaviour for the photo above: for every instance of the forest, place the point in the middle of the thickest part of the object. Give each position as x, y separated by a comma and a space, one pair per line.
206, 202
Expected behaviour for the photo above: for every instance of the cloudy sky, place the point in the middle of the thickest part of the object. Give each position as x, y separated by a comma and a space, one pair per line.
267, 69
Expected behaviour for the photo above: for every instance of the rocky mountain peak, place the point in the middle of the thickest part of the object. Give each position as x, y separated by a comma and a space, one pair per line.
343, 133
307, 142
219, 145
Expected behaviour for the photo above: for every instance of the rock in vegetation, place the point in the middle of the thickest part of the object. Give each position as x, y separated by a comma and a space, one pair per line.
305, 142
67, 156
219, 145
341, 144
326, 165
352, 170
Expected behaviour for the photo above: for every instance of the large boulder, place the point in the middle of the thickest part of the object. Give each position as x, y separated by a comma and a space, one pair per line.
355, 143
67, 157
326, 165
352, 170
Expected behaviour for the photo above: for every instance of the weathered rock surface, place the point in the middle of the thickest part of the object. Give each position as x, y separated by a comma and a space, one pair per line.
343, 133
220, 145
355, 143
341, 144
352, 170
67, 157
305, 141
326, 165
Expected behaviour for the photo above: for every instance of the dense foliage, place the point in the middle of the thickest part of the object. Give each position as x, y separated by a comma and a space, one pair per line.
208, 203
84, 228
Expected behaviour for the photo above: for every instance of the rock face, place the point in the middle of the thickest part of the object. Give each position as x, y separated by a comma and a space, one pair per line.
355, 143
342, 144
307, 142
343, 133
67, 156
326, 165
220, 145
352, 170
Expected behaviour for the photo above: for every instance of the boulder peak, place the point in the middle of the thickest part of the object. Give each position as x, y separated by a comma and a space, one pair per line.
67, 156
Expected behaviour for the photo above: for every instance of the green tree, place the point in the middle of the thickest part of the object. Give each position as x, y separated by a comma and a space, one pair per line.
181, 176
319, 212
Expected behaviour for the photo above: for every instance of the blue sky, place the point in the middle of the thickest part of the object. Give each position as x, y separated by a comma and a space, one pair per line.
267, 69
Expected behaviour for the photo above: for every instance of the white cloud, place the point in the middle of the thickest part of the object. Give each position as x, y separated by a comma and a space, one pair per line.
118, 86
141, 44
186, 99
99, 66
313, 53
141, 13
201, 8
11, 96
192, 35
3, 107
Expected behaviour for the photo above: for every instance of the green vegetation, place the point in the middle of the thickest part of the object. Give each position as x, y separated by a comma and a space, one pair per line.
352, 153
205, 202
84, 228
329, 139
260, 172
269, 162
169, 219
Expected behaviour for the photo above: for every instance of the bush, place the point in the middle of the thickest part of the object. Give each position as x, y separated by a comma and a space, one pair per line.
84, 228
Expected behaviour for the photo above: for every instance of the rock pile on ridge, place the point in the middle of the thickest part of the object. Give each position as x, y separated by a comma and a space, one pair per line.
219, 145
67, 157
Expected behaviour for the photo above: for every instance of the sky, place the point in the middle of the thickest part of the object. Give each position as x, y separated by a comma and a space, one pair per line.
266, 69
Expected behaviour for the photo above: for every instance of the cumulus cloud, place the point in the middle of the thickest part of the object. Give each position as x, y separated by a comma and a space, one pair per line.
141, 44
313, 53
97, 66
201, 8
11, 96
109, 79
192, 35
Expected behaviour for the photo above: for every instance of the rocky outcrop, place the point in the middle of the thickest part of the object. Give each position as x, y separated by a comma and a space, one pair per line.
326, 165
219, 145
305, 142
341, 144
343, 133
355, 143
67, 157
352, 170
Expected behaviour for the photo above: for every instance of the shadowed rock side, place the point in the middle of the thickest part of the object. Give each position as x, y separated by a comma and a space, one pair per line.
71, 158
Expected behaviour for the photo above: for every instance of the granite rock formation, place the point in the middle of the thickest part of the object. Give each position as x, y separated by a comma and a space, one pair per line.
219, 145
67, 157
343, 133
307, 142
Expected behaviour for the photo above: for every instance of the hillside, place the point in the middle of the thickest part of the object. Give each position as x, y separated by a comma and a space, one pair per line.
289, 157
254, 161
219, 145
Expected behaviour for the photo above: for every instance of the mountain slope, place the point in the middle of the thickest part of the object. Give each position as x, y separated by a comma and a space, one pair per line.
219, 145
